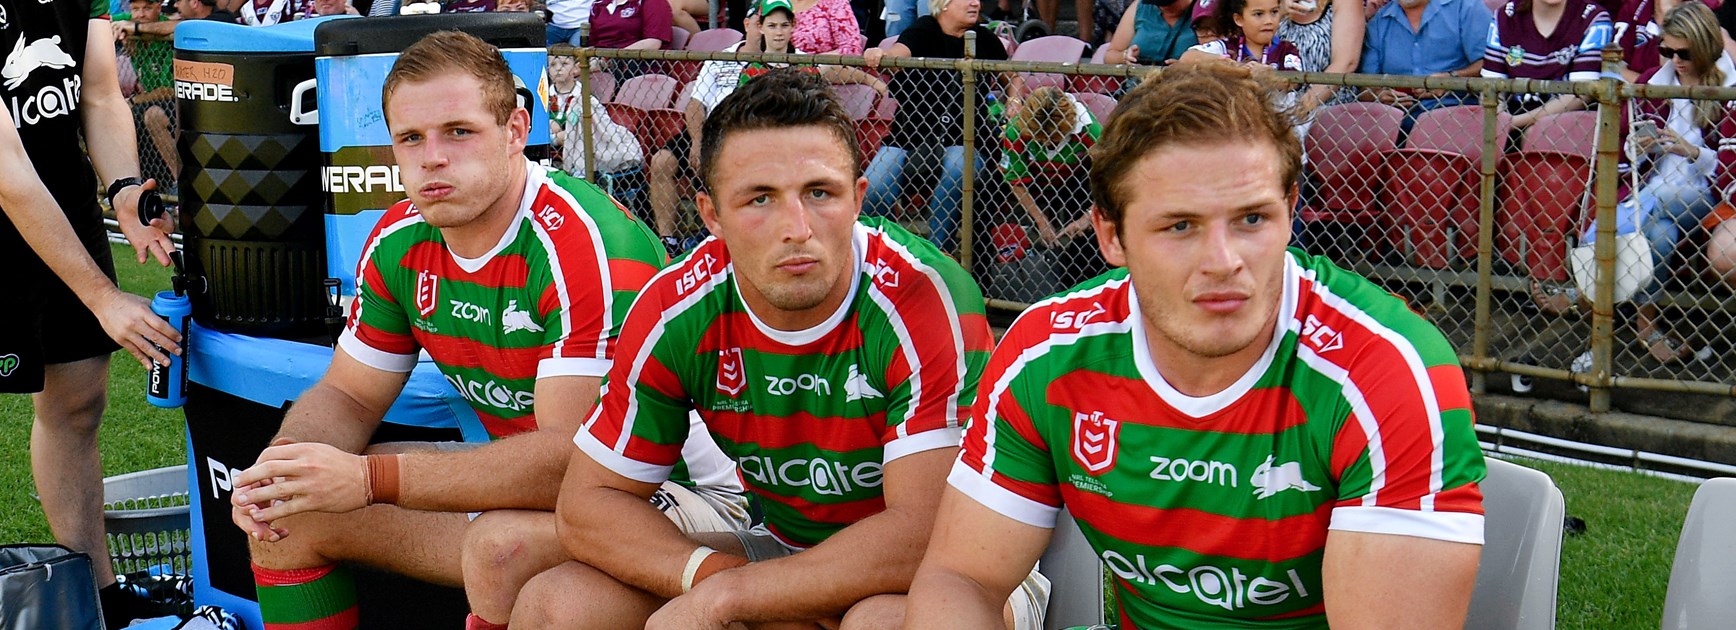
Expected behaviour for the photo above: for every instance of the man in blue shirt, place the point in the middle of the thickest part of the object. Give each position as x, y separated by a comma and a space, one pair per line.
1425, 38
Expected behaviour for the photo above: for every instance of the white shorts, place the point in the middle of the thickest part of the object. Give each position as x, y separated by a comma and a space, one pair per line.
702, 508
1028, 602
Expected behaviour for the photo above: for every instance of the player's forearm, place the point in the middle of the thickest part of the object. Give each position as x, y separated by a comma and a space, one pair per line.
622, 534
941, 598
519, 472
326, 415
876, 555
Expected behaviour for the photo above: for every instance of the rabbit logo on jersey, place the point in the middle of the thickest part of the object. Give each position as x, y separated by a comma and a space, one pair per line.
1094, 441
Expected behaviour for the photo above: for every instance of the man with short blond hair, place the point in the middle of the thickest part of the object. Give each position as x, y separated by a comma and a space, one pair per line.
1249, 436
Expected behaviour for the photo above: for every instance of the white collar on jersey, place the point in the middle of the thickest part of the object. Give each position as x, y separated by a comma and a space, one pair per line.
858, 245
1202, 406
534, 178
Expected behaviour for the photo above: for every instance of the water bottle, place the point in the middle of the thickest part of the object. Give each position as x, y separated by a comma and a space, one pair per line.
166, 385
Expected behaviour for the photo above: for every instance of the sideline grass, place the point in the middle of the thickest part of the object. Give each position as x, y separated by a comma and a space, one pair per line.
1612, 577
135, 436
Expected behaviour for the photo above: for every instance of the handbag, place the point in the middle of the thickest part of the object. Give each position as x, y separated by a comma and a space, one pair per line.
47, 586
1633, 252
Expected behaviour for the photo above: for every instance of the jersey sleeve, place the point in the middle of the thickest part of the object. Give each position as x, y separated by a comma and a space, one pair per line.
1013, 166
1406, 458
378, 331
1005, 463
598, 263
1588, 57
99, 9
1494, 53
934, 311
641, 422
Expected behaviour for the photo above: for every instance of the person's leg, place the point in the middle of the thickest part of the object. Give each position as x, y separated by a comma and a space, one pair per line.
687, 13
504, 549
64, 458
899, 15
944, 205
574, 596
885, 174
663, 168
1049, 12
303, 586
157, 125
1086, 31
1721, 252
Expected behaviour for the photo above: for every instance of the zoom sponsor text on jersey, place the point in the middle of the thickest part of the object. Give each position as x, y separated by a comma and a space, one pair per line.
824, 477
491, 394
1227, 589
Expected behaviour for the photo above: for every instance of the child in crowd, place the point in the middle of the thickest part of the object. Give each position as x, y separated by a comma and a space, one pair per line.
1248, 33
563, 86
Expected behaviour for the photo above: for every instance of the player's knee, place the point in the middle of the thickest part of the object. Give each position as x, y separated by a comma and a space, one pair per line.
493, 543
546, 601
301, 548
875, 613
65, 408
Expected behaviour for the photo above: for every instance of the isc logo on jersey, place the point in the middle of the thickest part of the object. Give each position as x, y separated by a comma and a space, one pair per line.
491, 394
821, 476
1230, 590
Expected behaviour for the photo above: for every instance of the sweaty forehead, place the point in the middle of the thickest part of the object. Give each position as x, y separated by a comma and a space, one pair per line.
785, 157
1205, 179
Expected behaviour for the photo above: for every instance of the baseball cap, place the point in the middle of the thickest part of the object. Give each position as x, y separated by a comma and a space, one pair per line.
1204, 8
767, 6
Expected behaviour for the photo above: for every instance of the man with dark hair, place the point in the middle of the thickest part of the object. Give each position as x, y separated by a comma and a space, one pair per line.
832, 356
64, 315
1249, 436
514, 279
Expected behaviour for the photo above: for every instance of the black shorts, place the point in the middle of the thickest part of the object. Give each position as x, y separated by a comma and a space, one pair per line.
44, 323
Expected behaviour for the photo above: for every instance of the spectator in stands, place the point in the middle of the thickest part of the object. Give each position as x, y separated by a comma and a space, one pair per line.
1425, 38
1675, 144
619, 157
1205, 22
930, 113
1328, 36
1636, 32
566, 17
563, 87
1249, 26
321, 8
772, 27
1045, 160
1721, 244
1572, 51
1049, 12
631, 24
152, 58
512, 6
826, 27
1155, 32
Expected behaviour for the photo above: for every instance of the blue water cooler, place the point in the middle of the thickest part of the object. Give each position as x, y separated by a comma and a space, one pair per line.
259, 232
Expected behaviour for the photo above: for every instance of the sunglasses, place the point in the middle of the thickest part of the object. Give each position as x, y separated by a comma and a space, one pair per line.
1672, 53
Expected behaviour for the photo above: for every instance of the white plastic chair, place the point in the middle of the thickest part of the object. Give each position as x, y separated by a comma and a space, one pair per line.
1075, 577
1521, 559
1703, 578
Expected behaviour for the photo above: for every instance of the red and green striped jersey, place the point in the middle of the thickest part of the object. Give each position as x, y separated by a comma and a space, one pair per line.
810, 417
547, 300
1214, 511
1026, 161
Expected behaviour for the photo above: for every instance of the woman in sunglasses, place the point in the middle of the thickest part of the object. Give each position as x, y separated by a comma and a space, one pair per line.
1674, 145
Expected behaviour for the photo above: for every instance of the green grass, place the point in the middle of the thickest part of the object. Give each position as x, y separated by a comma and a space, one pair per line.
135, 436
1612, 577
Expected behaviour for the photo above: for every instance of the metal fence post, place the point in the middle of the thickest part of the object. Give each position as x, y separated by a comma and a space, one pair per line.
583, 64
1485, 241
1603, 304
967, 198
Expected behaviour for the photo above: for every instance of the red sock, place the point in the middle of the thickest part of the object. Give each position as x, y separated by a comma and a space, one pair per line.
473, 622
320, 598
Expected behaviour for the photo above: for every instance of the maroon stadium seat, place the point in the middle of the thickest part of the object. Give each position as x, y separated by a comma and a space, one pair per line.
1544, 198
1100, 85
1054, 48
714, 39
603, 86
1431, 186
678, 38
649, 91
1101, 105
1346, 147
859, 100
1568, 132
660, 125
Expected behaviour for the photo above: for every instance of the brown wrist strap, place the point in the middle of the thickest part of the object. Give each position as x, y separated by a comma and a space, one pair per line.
382, 478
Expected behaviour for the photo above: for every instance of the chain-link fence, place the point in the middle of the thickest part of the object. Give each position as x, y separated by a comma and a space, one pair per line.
1459, 195
146, 65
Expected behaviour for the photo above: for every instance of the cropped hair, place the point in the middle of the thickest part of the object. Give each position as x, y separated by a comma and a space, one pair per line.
448, 51
782, 98
1209, 103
